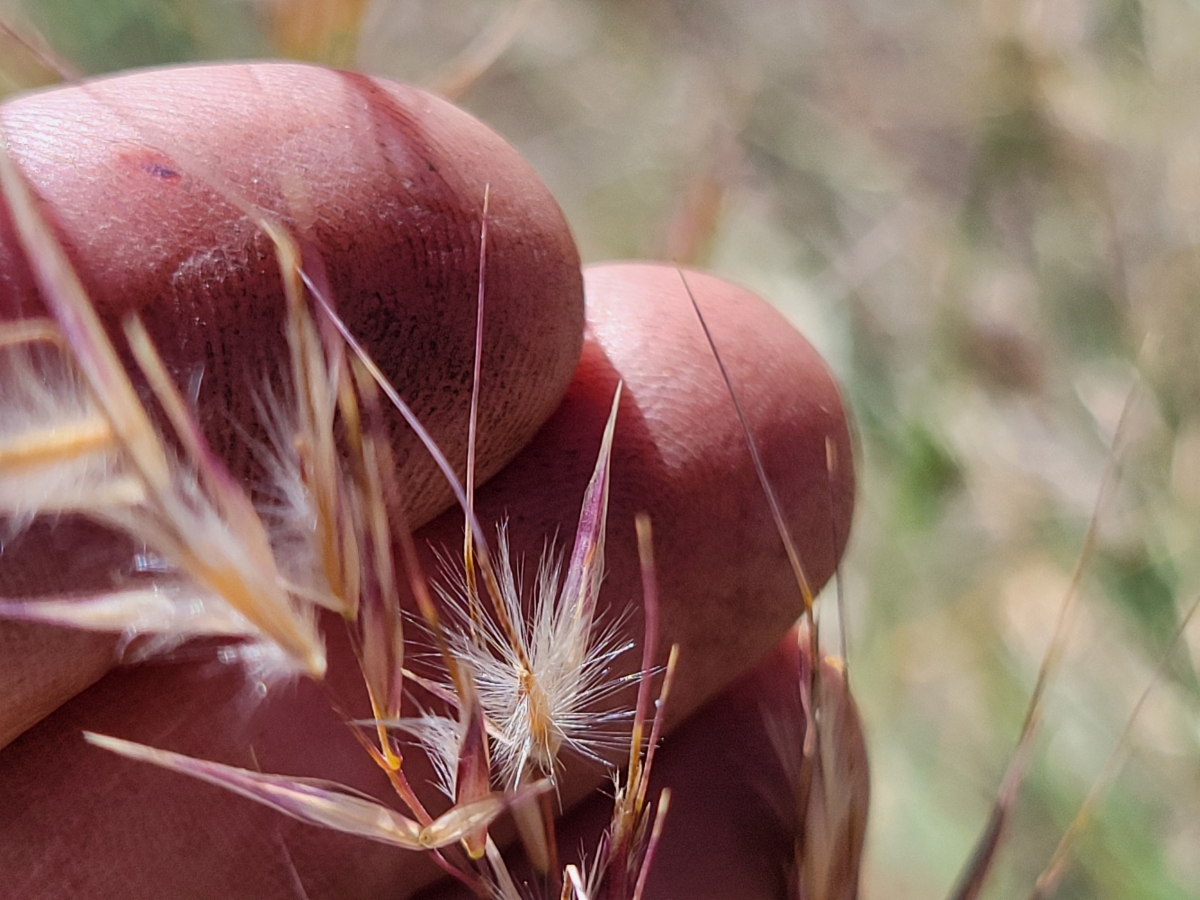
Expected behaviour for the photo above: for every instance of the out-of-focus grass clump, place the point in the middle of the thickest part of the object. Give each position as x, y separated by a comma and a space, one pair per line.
982, 213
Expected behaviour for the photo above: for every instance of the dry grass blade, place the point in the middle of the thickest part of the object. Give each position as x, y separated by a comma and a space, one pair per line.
831, 467
831, 773
322, 388
378, 630
323, 31
773, 501
323, 803
30, 44
974, 874
656, 830
487, 47
316, 803
1048, 881
158, 610
832, 785
505, 887
473, 420
638, 774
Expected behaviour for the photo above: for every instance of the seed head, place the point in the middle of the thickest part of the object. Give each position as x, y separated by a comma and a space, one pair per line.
541, 677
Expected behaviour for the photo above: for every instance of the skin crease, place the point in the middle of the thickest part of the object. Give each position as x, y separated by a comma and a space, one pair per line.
727, 594
383, 182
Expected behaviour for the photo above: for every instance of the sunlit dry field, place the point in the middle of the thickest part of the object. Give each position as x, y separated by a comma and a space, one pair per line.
986, 216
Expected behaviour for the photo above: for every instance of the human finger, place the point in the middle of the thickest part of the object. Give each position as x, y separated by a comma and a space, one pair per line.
152, 182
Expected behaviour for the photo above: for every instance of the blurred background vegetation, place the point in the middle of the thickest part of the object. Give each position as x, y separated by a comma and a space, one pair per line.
986, 215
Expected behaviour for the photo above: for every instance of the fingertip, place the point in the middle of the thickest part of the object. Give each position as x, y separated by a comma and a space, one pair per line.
728, 590
152, 179
642, 313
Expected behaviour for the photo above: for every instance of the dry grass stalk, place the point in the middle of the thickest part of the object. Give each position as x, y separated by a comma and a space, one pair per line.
25, 49
465, 69
1048, 881
821, 741
319, 30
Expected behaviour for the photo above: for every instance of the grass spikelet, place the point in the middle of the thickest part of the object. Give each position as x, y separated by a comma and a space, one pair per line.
831, 784
323, 803
459, 752
192, 513
537, 675
538, 687
58, 452
625, 853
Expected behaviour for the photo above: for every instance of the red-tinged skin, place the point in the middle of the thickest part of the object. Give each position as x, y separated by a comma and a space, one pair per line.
75, 820
725, 589
385, 182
